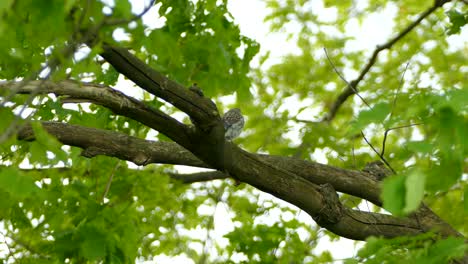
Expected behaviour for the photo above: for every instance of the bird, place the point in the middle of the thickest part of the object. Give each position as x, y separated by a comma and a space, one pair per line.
233, 123
377, 169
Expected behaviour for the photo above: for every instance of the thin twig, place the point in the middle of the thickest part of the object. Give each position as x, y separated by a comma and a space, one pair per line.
352, 87
115, 22
393, 128
380, 156
398, 90
344, 79
298, 120
82, 16
109, 181
334, 67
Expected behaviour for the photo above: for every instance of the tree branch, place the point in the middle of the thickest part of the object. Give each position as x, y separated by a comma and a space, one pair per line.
303, 182
351, 88
96, 142
207, 140
199, 108
115, 100
115, 22
199, 176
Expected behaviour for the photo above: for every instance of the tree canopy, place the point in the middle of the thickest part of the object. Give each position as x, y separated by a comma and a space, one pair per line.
100, 99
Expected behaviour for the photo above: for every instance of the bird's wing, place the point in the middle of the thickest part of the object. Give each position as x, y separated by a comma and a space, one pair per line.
227, 125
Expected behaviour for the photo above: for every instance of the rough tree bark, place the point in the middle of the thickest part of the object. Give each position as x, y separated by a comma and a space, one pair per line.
308, 185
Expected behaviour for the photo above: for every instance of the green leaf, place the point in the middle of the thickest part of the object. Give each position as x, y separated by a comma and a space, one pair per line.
19, 218
7, 117
451, 138
456, 99
17, 184
94, 245
123, 8
373, 244
5, 5
110, 76
351, 261
38, 153
394, 193
420, 146
46, 142
444, 250
377, 114
457, 20
414, 184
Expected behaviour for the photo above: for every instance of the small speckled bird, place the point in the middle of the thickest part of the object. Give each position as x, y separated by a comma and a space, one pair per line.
233, 123
378, 169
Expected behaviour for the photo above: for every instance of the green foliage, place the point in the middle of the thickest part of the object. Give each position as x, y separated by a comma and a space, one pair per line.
16, 185
199, 44
457, 21
402, 194
376, 115
42, 145
393, 194
55, 205
419, 249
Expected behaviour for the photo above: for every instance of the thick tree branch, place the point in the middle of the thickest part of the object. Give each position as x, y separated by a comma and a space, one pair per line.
351, 88
353, 224
207, 143
142, 152
207, 140
356, 183
101, 142
114, 144
116, 101
199, 108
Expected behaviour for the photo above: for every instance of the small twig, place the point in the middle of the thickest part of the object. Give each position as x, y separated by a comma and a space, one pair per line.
298, 120
398, 90
109, 181
380, 156
393, 128
115, 22
352, 86
82, 16
334, 67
